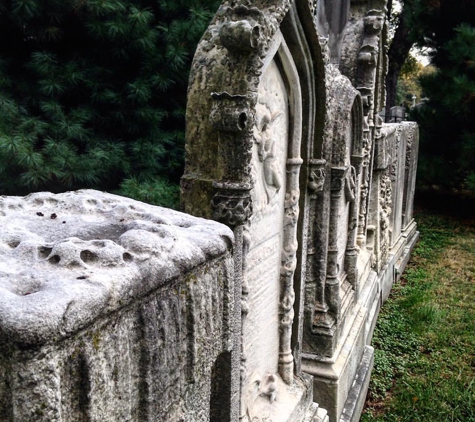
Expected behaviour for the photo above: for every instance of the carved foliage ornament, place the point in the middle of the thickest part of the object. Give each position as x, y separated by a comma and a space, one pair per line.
385, 198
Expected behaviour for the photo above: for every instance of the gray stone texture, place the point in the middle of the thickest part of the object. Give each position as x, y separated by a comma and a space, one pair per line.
113, 310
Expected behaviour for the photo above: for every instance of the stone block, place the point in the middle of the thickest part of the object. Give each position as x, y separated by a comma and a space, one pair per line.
357, 394
114, 310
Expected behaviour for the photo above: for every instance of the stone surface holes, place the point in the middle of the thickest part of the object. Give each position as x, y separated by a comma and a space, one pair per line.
44, 252
242, 121
88, 256
14, 243
54, 259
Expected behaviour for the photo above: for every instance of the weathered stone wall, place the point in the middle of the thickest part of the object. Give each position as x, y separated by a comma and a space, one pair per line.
112, 310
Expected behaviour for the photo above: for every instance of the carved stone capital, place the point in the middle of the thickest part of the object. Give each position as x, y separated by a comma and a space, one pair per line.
317, 175
367, 98
344, 181
338, 175
232, 204
357, 159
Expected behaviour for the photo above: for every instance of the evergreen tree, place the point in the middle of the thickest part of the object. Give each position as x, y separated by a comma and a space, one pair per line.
93, 92
447, 121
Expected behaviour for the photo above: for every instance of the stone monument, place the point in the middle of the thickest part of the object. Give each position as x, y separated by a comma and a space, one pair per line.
285, 146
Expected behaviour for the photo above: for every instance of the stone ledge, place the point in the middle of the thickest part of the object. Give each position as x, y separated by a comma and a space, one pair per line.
357, 394
67, 259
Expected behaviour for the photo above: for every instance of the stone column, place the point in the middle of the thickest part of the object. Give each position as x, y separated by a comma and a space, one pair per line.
351, 254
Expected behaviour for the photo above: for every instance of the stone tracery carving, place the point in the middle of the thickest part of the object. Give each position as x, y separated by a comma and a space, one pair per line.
232, 204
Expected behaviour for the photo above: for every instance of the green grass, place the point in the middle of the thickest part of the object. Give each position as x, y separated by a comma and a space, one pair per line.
425, 336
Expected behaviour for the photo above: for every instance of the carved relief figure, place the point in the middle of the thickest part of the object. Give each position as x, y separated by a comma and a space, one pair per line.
269, 151
265, 138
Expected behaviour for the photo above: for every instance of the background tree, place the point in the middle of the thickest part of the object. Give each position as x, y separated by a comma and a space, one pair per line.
410, 26
445, 28
447, 120
93, 92
408, 82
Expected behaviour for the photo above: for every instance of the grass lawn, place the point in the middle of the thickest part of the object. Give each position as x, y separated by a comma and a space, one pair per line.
425, 336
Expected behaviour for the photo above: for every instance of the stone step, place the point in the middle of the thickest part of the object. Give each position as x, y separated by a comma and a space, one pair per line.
316, 414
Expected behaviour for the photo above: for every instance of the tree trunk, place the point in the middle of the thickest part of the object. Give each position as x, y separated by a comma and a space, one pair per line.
398, 52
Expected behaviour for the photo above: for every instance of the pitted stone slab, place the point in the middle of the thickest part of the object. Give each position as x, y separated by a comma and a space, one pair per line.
67, 259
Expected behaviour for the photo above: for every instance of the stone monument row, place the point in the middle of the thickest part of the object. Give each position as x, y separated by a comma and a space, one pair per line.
286, 147
114, 310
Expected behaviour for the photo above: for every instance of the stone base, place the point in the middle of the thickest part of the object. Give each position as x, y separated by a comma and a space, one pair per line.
341, 382
316, 414
333, 379
357, 394
410, 236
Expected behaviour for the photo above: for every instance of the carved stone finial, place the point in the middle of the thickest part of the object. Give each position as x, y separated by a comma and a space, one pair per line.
373, 22
241, 36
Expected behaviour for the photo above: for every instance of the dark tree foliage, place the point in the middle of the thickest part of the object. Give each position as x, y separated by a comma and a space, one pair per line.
93, 92
447, 120
411, 26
